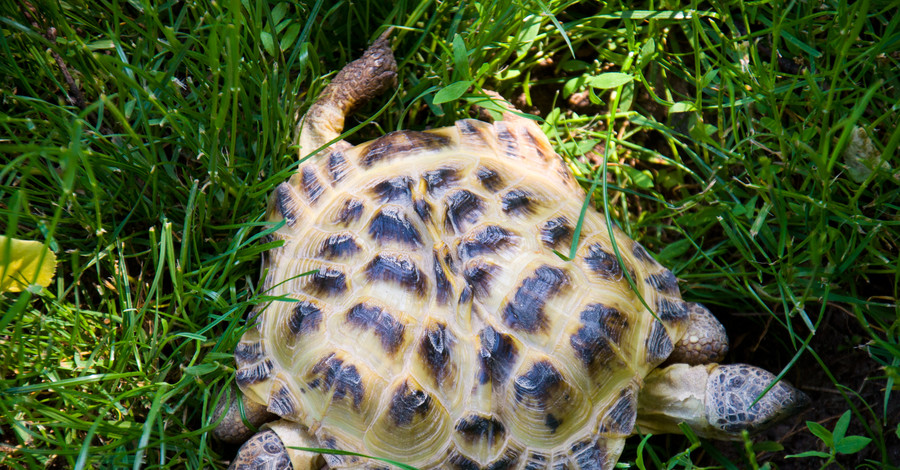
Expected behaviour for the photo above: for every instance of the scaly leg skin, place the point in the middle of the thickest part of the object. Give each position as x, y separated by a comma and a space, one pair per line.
705, 340
263, 451
232, 428
714, 400
733, 388
358, 82
274, 449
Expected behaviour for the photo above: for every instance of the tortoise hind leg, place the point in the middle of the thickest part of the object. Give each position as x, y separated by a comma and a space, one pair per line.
232, 428
358, 82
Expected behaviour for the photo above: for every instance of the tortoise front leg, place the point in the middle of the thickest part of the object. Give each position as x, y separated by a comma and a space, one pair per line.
273, 449
705, 340
263, 451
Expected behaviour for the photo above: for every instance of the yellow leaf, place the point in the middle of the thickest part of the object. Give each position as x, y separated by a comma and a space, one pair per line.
24, 262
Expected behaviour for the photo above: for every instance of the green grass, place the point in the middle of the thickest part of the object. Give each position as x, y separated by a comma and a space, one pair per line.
139, 141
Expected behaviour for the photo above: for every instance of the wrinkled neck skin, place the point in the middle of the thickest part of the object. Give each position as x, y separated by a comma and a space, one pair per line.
668, 399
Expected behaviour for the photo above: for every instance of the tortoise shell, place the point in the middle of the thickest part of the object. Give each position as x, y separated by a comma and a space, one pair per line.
423, 315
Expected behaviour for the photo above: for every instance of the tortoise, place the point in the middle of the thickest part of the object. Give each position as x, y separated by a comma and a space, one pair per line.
424, 317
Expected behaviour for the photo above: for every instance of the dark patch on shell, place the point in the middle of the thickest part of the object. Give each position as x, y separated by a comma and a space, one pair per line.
285, 203
440, 179
331, 373
621, 417
670, 311
435, 351
490, 239
462, 208
526, 311
479, 275
588, 455
473, 132
396, 189
256, 373
449, 262
508, 144
659, 345
371, 317
328, 281
478, 428
489, 179
337, 166
506, 462
350, 212
664, 282
248, 353
641, 254
443, 288
339, 245
305, 318
536, 387
552, 422
310, 184
556, 231
465, 295
423, 209
391, 225
602, 263
601, 327
398, 270
408, 402
282, 402
399, 143
498, 355
517, 201
536, 461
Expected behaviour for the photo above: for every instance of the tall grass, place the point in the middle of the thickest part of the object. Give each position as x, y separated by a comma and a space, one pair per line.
753, 147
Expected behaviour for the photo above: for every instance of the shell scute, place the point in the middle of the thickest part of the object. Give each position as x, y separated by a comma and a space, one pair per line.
305, 318
525, 311
398, 144
545, 409
337, 166
499, 352
597, 339
490, 179
339, 246
350, 210
392, 225
399, 270
386, 327
411, 423
462, 209
397, 189
441, 179
485, 240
